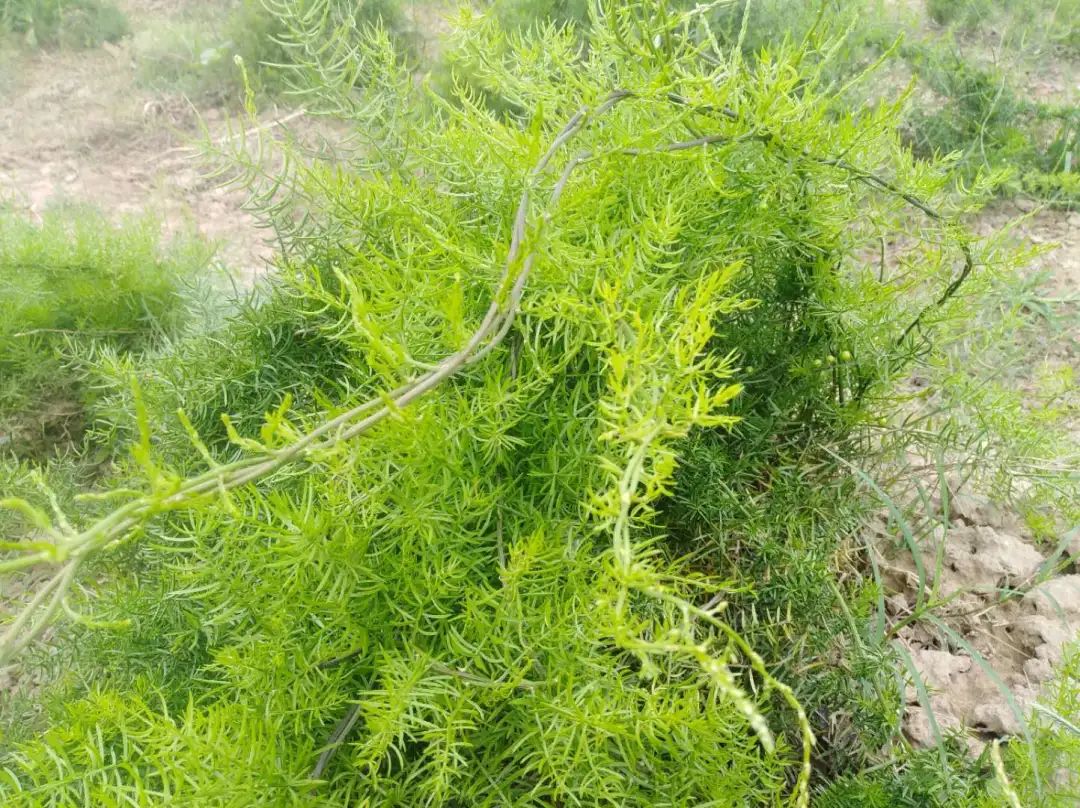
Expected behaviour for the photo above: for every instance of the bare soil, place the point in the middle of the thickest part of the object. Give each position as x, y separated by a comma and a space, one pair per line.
77, 127
1007, 628
1008, 624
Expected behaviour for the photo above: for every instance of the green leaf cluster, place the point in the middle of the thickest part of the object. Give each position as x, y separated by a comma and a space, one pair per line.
69, 284
592, 566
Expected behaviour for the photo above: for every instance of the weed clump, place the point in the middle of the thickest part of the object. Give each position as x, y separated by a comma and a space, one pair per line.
240, 367
988, 128
68, 284
69, 23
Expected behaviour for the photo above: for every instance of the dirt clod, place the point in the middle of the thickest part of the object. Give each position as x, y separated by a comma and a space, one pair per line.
985, 681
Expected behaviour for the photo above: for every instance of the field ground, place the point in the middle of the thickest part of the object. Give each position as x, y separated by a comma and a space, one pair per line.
78, 127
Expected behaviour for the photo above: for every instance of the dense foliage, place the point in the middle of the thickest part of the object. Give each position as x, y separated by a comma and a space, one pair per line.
74, 23
970, 69
73, 282
534, 483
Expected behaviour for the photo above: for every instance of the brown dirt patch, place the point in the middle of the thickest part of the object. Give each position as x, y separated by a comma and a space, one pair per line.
77, 127
1008, 617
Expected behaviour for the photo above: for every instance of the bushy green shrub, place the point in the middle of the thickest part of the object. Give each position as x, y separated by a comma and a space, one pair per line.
988, 127
1060, 189
750, 26
70, 282
72, 23
241, 367
552, 514
979, 114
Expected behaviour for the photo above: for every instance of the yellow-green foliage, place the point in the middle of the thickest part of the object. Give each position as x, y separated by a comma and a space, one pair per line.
596, 562
73, 281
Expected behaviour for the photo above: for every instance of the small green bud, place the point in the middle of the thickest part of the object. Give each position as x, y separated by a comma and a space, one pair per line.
817, 363
749, 368
830, 359
845, 356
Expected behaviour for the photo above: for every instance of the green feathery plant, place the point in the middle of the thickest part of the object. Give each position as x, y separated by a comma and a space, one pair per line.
196, 55
72, 282
480, 565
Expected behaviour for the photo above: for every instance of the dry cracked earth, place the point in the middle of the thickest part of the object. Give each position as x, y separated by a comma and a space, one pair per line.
1009, 621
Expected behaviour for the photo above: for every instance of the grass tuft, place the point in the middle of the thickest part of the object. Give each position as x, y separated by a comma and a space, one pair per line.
67, 23
70, 283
